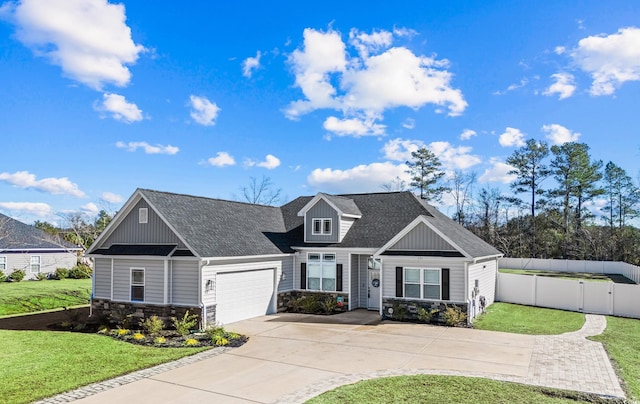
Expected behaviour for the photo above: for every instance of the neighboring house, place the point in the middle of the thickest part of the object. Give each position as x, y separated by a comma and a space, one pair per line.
166, 253
31, 249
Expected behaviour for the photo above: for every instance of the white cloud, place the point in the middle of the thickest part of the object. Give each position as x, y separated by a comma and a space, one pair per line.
111, 197
270, 162
33, 208
559, 50
497, 172
55, 186
610, 59
221, 159
564, 86
400, 149
467, 134
148, 149
523, 82
353, 127
454, 158
203, 111
88, 39
558, 134
120, 109
90, 209
370, 80
512, 137
409, 123
250, 64
362, 178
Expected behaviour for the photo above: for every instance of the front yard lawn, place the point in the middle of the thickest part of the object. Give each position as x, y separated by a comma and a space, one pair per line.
32, 296
520, 319
621, 339
448, 389
570, 275
39, 364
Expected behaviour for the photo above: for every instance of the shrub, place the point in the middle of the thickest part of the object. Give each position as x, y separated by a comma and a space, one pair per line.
3, 277
191, 342
17, 275
138, 336
152, 325
80, 271
159, 340
219, 340
120, 332
399, 311
426, 315
61, 273
185, 324
329, 304
214, 331
40, 276
310, 304
454, 316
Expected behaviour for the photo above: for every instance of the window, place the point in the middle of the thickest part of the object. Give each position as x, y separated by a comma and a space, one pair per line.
143, 215
321, 272
137, 284
422, 283
35, 264
3, 264
321, 226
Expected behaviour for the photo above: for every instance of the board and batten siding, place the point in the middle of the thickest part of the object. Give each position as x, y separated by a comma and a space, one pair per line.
184, 282
155, 231
321, 210
153, 279
422, 237
102, 278
49, 261
456, 274
486, 274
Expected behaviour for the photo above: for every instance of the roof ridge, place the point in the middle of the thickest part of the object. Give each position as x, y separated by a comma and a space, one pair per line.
207, 198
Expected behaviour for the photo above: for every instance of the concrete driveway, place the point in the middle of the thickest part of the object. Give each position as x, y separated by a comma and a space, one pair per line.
291, 357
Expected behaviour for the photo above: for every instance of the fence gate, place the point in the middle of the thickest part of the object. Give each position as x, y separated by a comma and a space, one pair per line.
597, 297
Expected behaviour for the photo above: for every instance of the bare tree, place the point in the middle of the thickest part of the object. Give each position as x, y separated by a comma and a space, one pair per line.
461, 190
395, 185
261, 192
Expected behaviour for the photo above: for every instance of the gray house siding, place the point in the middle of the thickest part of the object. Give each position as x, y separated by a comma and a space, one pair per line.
485, 273
286, 262
345, 225
342, 257
456, 274
49, 261
354, 297
153, 279
321, 210
102, 278
184, 282
155, 231
422, 238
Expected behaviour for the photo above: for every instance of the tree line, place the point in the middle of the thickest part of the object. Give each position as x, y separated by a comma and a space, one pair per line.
562, 204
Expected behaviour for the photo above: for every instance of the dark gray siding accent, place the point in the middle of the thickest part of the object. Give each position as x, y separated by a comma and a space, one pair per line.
322, 210
184, 282
153, 279
422, 238
155, 231
102, 278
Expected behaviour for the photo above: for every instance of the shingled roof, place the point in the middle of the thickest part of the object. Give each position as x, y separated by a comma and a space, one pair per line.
17, 236
221, 228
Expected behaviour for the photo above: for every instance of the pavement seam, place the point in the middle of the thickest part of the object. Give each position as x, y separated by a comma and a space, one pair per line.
205, 390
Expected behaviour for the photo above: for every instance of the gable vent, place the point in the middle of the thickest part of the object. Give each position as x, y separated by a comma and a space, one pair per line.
143, 215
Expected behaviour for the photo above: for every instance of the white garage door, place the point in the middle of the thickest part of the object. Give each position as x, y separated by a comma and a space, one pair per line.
244, 294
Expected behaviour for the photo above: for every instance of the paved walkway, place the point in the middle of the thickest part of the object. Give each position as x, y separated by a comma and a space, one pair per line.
291, 358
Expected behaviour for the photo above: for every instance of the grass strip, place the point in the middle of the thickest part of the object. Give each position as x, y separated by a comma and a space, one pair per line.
520, 319
32, 296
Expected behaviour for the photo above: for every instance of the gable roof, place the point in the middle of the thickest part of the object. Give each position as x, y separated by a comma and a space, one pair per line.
343, 205
221, 228
17, 236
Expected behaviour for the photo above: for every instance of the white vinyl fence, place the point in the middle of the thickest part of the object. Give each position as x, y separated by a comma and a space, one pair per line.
575, 295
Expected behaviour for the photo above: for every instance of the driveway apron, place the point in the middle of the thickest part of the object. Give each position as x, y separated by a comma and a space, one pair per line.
293, 357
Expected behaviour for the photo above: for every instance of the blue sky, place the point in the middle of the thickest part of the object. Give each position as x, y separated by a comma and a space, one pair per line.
100, 98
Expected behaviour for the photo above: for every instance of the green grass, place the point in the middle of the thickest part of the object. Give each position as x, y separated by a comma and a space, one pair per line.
519, 319
447, 389
39, 364
622, 342
32, 296
569, 275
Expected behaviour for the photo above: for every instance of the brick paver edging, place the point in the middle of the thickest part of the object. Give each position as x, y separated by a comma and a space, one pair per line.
95, 388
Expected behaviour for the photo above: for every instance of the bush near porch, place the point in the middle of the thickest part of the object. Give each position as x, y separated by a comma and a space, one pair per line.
450, 314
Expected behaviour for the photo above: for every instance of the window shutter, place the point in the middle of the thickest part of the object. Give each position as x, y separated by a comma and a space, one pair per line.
339, 278
399, 282
303, 275
445, 284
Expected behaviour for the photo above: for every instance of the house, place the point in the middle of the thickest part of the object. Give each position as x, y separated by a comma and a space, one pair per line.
31, 249
166, 253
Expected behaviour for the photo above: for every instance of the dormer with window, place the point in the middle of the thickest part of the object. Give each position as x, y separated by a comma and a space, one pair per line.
328, 218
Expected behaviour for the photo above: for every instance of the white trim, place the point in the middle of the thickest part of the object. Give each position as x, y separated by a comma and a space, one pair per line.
143, 215
111, 295
353, 250
411, 226
165, 294
243, 257
31, 257
5, 263
40, 250
322, 196
322, 221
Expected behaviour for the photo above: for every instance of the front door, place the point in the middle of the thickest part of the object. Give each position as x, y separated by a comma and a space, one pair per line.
374, 285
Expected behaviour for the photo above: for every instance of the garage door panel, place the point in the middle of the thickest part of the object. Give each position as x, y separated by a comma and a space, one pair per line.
244, 294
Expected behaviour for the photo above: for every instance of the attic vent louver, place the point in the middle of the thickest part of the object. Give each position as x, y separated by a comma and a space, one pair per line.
143, 215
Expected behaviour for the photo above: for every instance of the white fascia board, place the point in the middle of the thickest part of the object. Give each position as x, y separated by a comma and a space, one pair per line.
19, 250
411, 226
354, 250
315, 200
134, 257
244, 257
488, 257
